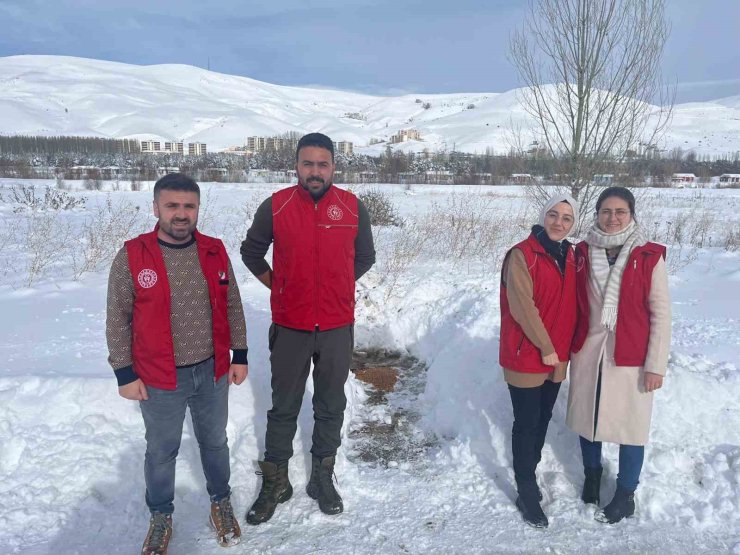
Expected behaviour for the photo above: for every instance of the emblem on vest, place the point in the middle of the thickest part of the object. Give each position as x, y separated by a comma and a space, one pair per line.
334, 212
147, 278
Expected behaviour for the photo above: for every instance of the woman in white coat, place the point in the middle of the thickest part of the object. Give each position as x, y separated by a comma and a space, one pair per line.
620, 348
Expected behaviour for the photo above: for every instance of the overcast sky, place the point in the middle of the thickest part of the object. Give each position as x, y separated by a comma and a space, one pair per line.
379, 46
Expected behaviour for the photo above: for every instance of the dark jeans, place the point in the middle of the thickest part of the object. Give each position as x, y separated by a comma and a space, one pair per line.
291, 354
164, 413
532, 413
630, 461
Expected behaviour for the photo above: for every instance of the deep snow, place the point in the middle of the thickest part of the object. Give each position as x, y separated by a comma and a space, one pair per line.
71, 450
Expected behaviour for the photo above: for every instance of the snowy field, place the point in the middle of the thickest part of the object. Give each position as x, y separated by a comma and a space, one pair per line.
71, 450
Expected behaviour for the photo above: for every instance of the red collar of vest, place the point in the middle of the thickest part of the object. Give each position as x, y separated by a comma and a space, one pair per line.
535, 245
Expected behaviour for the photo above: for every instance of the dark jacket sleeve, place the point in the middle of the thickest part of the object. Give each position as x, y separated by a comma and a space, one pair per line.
255, 246
364, 248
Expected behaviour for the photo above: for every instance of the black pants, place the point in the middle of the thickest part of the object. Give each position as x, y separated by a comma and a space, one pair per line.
291, 354
532, 413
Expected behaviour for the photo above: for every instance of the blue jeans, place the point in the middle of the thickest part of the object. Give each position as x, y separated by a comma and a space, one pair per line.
630, 461
164, 414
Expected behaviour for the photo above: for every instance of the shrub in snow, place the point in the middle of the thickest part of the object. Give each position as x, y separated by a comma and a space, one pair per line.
25, 197
380, 207
102, 233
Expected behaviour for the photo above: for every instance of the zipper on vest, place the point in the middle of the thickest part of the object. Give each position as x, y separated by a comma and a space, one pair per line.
519, 348
316, 264
634, 268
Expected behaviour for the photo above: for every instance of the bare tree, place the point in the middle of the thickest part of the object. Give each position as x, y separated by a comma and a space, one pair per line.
591, 70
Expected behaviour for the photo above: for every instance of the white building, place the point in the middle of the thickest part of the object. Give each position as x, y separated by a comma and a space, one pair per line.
174, 147
152, 146
681, 180
195, 149
344, 147
729, 180
406, 135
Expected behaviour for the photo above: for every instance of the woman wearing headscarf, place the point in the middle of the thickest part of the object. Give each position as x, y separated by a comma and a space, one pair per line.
620, 349
538, 315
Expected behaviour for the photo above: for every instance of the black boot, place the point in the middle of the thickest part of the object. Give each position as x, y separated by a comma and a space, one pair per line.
275, 489
592, 485
321, 486
621, 506
528, 503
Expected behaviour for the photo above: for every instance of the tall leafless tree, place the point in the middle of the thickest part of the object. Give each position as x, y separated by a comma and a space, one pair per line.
592, 83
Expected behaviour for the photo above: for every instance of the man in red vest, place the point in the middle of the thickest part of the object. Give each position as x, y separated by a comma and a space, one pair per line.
322, 243
174, 315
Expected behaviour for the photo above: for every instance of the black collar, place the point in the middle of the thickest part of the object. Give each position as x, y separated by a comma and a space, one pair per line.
176, 245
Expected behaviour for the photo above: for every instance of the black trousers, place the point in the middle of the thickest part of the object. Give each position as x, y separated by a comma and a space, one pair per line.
532, 413
291, 354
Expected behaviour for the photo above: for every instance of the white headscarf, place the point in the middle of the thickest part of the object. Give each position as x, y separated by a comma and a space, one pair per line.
556, 199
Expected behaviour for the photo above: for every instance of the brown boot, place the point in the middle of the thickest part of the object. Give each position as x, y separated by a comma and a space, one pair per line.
227, 528
158, 537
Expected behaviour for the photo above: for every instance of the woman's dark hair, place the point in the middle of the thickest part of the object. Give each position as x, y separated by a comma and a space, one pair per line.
620, 192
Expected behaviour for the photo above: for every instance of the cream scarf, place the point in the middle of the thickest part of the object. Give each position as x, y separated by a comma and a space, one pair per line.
609, 278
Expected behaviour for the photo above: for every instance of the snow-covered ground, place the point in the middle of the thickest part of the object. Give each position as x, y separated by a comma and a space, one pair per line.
62, 95
71, 450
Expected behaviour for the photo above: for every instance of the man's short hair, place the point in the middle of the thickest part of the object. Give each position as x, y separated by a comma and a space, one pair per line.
176, 182
315, 139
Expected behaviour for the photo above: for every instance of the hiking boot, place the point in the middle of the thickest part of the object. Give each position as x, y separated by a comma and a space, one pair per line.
321, 486
275, 489
158, 537
227, 528
592, 485
621, 506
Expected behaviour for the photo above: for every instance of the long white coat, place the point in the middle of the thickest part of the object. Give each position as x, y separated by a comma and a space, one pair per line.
625, 408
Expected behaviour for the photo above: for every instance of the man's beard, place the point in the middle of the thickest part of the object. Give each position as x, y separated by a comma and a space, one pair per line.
179, 233
316, 195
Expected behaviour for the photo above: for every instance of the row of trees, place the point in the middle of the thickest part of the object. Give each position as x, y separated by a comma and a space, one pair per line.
34, 144
391, 167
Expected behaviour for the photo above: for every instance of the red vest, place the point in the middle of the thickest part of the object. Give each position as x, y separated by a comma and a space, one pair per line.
633, 313
313, 258
151, 341
555, 298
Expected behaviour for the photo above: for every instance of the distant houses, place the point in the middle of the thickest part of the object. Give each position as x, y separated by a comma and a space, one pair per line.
681, 180
405, 135
729, 180
197, 149
290, 142
152, 146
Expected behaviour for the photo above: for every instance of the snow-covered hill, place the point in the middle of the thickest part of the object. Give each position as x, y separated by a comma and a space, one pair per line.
53, 95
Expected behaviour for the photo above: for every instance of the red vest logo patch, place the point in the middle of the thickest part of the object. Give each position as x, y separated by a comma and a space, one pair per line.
147, 278
334, 212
